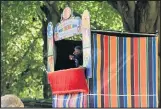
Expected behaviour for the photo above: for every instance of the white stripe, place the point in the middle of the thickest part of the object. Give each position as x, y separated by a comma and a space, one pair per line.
120, 95
106, 95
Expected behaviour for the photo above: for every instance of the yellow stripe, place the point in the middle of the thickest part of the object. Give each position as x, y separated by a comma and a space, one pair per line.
98, 69
81, 101
128, 68
60, 100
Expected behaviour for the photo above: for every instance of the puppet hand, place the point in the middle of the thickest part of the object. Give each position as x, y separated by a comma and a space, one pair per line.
71, 57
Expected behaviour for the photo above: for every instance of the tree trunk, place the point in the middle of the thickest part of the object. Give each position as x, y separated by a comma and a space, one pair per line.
140, 16
52, 15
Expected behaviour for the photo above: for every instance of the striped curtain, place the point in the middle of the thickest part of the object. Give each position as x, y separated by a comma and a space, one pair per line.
125, 74
69, 100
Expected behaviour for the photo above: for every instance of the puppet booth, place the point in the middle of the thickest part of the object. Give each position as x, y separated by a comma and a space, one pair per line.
119, 69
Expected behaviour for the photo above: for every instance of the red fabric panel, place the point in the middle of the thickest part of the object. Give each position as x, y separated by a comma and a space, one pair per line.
68, 81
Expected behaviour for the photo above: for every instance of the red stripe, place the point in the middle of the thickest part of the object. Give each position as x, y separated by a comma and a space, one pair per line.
136, 76
106, 100
84, 100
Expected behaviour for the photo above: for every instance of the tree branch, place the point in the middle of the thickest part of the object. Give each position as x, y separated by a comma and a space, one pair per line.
113, 4
131, 5
24, 55
152, 15
32, 35
53, 11
126, 10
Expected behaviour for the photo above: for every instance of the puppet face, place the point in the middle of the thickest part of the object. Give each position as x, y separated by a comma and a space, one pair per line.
66, 13
77, 52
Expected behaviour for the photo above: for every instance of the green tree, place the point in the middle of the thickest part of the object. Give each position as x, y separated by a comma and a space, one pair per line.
21, 45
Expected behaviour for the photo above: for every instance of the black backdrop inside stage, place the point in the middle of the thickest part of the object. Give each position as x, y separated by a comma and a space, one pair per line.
64, 48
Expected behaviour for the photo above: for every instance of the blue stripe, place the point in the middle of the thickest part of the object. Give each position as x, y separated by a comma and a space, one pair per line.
90, 80
154, 69
152, 72
124, 70
121, 81
53, 101
150, 79
95, 71
118, 100
65, 100
48, 68
78, 100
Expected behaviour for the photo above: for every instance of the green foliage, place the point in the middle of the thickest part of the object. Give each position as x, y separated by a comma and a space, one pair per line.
21, 48
103, 16
22, 43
